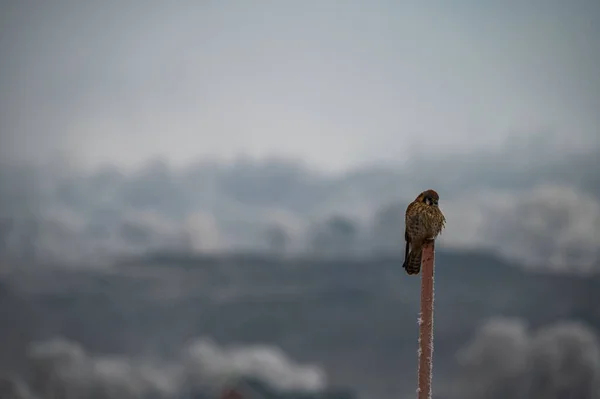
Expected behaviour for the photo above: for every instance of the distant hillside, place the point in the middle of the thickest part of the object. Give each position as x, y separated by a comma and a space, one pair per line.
540, 213
356, 318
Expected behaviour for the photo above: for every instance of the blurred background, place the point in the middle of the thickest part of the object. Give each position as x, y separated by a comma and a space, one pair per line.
197, 196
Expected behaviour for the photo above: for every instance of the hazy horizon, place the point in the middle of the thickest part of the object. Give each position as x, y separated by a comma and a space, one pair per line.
334, 86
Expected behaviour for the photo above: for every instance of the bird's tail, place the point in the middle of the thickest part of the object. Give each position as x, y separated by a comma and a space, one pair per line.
413, 263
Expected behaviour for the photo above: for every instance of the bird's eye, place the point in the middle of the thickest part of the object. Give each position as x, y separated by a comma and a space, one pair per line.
428, 201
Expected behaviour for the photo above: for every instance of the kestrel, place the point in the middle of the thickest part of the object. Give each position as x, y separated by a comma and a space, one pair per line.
424, 222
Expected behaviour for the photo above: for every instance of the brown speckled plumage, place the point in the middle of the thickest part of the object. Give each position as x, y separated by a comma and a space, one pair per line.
424, 221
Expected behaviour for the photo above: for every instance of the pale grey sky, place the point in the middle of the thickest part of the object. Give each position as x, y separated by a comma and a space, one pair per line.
334, 83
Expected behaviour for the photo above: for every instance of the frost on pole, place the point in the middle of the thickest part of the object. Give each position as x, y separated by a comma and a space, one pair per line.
425, 322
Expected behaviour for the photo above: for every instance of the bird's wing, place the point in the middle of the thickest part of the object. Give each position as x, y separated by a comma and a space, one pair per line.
413, 216
407, 239
411, 219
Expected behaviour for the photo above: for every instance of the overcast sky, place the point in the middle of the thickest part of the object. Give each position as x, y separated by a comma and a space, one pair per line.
334, 83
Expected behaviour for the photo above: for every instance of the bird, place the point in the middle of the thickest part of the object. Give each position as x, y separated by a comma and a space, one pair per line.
424, 221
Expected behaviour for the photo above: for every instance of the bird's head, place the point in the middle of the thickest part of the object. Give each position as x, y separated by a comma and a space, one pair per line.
429, 197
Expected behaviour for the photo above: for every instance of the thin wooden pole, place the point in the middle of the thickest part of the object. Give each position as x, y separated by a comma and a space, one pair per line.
425, 353
231, 394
